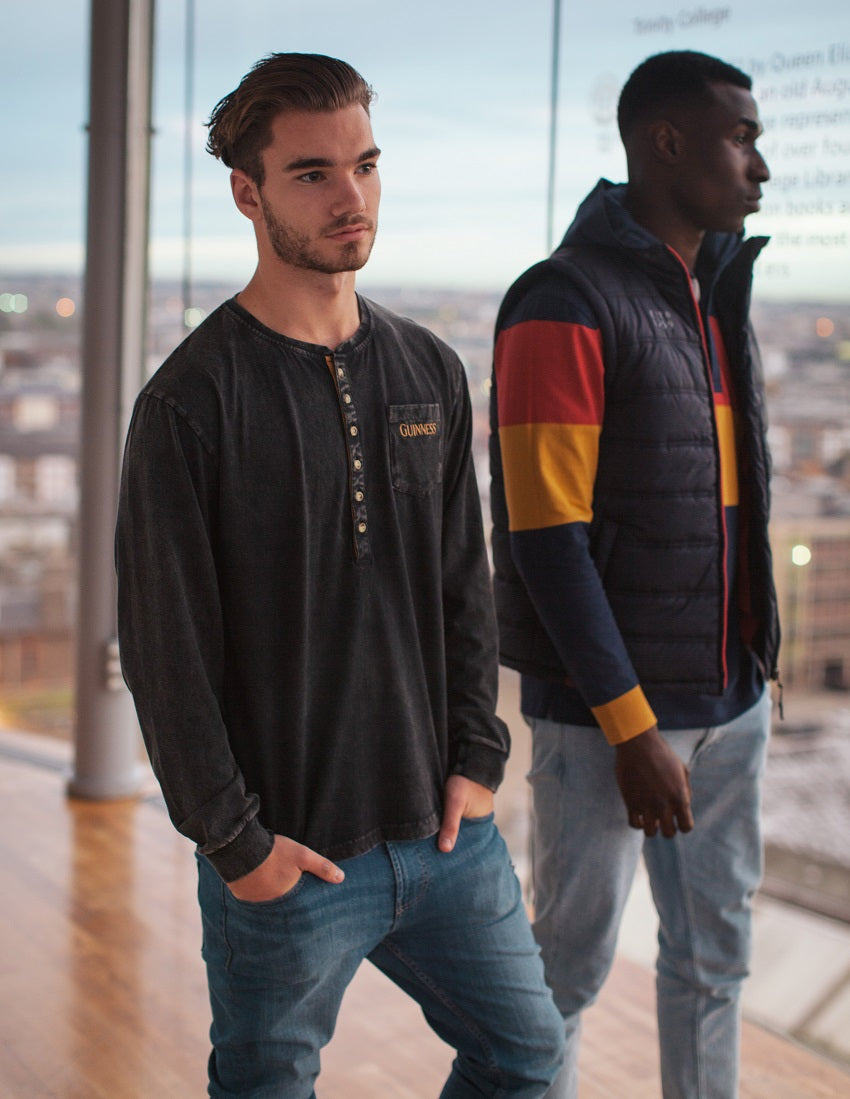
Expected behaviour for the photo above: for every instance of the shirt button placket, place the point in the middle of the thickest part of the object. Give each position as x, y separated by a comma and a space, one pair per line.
357, 475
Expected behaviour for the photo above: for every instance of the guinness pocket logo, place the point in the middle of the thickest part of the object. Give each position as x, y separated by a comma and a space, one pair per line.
411, 431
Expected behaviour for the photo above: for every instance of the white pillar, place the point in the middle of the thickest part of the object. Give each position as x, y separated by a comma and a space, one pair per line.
107, 743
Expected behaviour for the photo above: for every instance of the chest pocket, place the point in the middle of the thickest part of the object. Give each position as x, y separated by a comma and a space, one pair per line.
416, 447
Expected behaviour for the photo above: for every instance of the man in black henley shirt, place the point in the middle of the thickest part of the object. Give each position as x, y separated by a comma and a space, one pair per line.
306, 626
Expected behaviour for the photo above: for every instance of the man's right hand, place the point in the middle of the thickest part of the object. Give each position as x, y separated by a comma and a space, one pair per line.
655, 785
279, 873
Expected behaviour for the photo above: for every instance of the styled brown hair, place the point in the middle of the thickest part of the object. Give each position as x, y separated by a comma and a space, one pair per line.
240, 123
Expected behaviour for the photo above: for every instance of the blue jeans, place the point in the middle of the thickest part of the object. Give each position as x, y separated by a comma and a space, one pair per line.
449, 929
585, 856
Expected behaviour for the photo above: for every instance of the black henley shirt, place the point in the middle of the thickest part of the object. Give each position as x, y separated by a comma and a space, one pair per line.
304, 602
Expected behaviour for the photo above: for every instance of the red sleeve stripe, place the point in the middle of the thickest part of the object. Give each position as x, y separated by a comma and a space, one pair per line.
549, 372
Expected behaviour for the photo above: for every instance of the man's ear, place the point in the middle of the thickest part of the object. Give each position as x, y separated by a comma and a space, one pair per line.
246, 195
665, 141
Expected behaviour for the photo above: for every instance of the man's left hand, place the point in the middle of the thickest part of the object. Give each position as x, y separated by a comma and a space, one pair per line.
464, 798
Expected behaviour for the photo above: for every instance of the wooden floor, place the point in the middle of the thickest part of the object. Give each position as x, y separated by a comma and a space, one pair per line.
104, 997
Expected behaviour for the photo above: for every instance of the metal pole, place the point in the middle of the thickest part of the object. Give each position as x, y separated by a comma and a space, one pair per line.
553, 124
188, 156
107, 746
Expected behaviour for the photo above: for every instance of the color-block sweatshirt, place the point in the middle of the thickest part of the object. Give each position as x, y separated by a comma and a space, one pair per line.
630, 481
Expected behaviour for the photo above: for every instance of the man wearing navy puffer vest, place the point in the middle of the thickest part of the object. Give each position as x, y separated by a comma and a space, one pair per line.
633, 575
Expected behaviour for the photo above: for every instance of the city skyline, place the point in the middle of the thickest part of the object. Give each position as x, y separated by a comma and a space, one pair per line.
462, 114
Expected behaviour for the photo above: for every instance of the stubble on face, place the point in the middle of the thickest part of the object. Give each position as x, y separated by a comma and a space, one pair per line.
297, 249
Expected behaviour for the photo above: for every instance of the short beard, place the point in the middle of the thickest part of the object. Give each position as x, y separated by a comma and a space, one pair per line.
294, 249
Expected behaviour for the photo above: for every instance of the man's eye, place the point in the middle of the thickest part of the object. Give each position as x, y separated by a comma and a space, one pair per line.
367, 169
311, 177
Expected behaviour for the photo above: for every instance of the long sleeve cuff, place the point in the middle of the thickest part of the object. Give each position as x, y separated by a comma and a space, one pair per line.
481, 756
244, 853
625, 717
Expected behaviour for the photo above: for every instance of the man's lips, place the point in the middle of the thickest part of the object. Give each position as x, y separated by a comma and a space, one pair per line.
352, 231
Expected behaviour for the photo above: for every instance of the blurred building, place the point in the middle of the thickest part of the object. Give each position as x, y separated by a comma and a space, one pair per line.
39, 448
812, 567
807, 355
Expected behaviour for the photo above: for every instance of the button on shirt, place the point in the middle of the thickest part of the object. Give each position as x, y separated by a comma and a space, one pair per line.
305, 613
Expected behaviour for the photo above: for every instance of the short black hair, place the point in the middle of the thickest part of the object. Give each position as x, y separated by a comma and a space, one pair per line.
678, 76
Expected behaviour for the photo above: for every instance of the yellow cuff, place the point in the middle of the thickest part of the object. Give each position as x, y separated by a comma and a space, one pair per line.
625, 717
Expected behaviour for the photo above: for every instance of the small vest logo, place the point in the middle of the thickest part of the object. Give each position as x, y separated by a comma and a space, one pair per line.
662, 318
412, 431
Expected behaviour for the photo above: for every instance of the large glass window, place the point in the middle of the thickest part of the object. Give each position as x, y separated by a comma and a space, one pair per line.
463, 117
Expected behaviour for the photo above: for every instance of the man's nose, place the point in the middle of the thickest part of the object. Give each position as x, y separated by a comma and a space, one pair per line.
760, 169
348, 197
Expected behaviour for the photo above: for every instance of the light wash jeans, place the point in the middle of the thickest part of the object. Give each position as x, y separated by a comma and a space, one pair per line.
585, 856
449, 929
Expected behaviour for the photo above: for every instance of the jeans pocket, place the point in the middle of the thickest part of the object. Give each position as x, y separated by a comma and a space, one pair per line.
489, 884
547, 752
273, 902
265, 937
478, 820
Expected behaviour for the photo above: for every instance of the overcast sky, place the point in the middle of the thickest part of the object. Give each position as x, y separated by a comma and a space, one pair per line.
462, 116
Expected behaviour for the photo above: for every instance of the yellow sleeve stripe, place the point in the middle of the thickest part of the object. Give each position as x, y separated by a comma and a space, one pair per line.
625, 717
728, 454
549, 473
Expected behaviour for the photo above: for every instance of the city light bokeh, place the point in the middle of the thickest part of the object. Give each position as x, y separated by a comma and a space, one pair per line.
801, 555
13, 303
